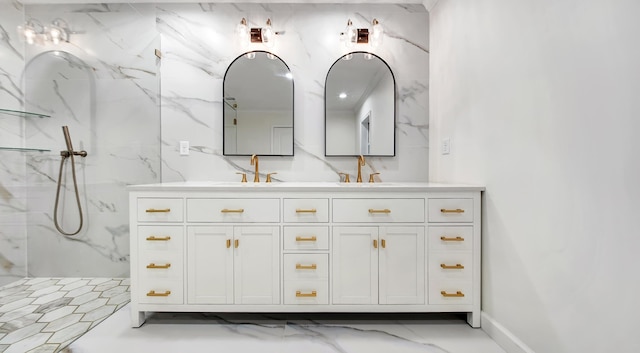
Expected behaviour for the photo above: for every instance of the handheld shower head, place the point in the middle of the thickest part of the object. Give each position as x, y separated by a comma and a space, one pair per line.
67, 138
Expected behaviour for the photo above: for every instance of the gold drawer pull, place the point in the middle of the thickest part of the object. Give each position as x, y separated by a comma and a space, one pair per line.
154, 294
236, 243
452, 239
452, 267
313, 210
153, 210
386, 210
153, 238
457, 210
306, 267
383, 243
313, 294
158, 266
448, 295
228, 243
311, 238
375, 243
226, 210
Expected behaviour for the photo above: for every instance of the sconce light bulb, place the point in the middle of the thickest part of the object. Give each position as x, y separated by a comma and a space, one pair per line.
55, 35
350, 34
243, 32
376, 33
267, 34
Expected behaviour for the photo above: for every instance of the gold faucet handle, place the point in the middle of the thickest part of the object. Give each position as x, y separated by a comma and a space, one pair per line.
269, 176
346, 177
244, 177
371, 180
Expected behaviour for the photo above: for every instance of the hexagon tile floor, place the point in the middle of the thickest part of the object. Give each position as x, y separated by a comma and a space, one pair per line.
44, 315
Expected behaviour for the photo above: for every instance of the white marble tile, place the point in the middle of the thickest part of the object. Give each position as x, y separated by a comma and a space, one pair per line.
239, 332
62, 322
57, 314
69, 332
85, 298
28, 343
22, 333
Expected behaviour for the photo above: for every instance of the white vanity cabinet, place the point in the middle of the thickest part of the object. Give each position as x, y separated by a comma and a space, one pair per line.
305, 247
233, 265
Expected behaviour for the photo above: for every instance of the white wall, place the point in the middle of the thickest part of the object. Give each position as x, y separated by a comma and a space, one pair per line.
377, 103
342, 124
540, 100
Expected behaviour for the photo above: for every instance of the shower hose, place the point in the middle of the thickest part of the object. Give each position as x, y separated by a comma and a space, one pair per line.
65, 155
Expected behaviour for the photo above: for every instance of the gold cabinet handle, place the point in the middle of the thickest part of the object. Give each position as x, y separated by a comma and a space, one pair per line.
452, 239
152, 265
312, 210
375, 243
226, 210
236, 243
306, 267
383, 243
311, 238
449, 295
313, 294
386, 210
153, 210
452, 267
457, 210
153, 238
228, 243
154, 294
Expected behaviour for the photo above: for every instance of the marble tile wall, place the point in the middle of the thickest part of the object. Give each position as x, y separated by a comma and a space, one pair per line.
198, 42
129, 110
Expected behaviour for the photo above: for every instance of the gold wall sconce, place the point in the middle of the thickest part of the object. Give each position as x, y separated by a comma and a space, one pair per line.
265, 35
353, 35
33, 32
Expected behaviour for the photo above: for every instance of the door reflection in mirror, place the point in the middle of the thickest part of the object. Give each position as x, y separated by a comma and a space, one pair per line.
258, 106
360, 107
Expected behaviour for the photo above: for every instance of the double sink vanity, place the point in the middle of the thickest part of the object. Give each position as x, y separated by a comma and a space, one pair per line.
305, 247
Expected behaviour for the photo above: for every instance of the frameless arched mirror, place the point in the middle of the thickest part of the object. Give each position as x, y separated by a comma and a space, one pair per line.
360, 107
258, 106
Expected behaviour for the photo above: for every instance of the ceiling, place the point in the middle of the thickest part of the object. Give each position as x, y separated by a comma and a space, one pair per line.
427, 3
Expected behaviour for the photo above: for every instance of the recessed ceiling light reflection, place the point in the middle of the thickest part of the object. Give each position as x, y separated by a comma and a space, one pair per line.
342, 95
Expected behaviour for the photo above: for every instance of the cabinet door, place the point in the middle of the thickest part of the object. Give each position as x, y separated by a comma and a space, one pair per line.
355, 264
401, 269
210, 265
257, 265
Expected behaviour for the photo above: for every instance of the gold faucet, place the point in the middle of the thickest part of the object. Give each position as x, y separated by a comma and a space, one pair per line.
254, 161
360, 165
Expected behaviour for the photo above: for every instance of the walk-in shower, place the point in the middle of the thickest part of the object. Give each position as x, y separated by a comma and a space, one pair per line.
69, 154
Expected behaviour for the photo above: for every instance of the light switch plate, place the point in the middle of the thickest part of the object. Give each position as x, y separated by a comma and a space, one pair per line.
446, 145
184, 148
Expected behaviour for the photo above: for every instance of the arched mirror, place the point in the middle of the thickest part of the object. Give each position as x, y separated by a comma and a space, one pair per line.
360, 107
258, 106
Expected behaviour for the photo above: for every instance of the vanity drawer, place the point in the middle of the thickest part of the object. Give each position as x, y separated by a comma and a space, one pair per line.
151, 209
160, 238
378, 210
306, 238
306, 292
160, 291
454, 266
306, 210
166, 266
450, 238
450, 210
233, 210
305, 266
450, 292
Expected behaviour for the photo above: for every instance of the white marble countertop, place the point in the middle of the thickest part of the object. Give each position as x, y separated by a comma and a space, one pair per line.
303, 186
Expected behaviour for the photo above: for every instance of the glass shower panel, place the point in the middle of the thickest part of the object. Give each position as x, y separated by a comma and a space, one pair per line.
104, 85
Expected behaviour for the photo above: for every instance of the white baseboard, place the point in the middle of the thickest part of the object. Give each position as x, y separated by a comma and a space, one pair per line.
503, 337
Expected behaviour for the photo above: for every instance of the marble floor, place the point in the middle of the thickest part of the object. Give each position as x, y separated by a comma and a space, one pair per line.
42, 315
284, 333
91, 315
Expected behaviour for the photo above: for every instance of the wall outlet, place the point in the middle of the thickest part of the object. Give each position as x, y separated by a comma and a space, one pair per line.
184, 148
446, 145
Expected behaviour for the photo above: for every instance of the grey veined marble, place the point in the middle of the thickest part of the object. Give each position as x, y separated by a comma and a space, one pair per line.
129, 109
